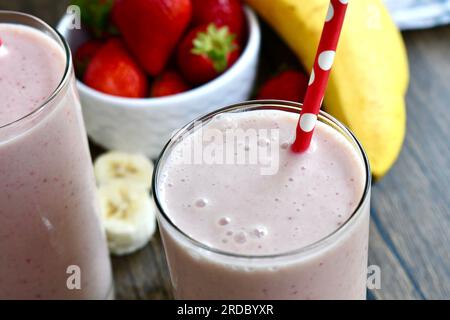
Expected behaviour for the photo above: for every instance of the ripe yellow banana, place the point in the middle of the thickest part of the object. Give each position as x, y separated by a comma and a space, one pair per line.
370, 75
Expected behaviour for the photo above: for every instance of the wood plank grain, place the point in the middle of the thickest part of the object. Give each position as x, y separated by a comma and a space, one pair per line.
412, 204
395, 282
143, 275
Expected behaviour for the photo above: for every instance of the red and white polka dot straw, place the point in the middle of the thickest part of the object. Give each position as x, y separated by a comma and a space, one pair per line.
320, 74
2, 49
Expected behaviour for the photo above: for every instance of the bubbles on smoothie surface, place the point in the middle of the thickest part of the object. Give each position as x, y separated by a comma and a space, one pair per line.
37, 69
224, 221
238, 210
201, 203
240, 237
260, 232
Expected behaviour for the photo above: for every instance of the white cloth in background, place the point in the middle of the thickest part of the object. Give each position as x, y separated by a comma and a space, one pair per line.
417, 14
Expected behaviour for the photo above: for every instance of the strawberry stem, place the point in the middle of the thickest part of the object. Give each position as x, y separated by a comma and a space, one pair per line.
96, 15
216, 44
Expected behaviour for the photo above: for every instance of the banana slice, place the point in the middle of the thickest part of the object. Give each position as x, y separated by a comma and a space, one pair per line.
115, 165
128, 215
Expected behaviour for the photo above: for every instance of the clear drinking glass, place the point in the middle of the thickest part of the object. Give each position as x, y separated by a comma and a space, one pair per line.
52, 245
334, 267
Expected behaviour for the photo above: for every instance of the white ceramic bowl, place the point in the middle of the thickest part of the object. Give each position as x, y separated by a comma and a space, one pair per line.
145, 125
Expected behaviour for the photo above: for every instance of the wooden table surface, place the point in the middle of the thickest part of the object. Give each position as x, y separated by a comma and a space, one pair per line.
410, 227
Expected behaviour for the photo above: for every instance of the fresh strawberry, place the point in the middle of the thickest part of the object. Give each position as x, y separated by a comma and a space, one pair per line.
205, 52
84, 55
152, 28
222, 13
95, 15
168, 83
113, 71
288, 85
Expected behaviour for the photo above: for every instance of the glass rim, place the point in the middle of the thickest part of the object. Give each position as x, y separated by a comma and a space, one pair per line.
251, 106
55, 36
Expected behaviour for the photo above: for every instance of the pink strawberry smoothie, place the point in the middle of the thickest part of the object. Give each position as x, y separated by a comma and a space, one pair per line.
48, 208
235, 210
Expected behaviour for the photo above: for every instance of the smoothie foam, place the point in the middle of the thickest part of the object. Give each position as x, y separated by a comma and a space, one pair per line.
237, 209
32, 82
253, 227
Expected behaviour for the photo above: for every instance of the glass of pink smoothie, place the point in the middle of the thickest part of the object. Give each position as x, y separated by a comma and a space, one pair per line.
52, 245
283, 226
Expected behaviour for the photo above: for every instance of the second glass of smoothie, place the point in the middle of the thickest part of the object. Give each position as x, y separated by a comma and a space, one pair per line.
52, 245
243, 217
